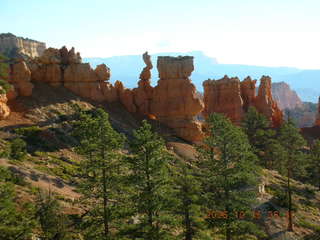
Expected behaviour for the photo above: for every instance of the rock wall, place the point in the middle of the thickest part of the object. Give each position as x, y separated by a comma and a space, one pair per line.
223, 96
20, 76
232, 97
4, 109
63, 67
13, 46
285, 97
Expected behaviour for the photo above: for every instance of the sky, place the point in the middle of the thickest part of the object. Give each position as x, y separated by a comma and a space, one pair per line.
254, 32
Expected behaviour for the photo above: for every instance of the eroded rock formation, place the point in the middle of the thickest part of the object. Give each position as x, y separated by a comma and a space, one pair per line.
223, 96
20, 78
175, 102
13, 46
62, 67
4, 109
265, 104
233, 98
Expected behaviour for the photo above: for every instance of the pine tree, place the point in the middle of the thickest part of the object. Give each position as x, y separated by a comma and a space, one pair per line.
16, 222
261, 137
315, 163
151, 184
53, 223
188, 206
229, 176
101, 170
4, 69
293, 142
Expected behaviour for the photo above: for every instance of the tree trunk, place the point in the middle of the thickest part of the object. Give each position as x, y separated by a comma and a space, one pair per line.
105, 205
228, 233
290, 222
187, 224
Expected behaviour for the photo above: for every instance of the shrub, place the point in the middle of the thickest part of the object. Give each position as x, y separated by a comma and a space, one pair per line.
18, 149
5, 86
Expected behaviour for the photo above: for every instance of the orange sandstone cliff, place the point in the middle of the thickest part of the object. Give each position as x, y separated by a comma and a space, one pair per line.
232, 97
173, 101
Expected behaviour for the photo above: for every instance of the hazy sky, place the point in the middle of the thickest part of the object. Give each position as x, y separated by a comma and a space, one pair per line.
256, 32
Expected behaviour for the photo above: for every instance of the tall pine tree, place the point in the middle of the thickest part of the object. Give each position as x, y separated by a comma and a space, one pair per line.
151, 184
101, 171
188, 202
315, 163
229, 176
292, 142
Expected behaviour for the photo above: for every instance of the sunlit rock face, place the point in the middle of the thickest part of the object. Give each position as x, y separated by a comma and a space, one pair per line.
13, 46
20, 78
223, 96
174, 101
64, 67
232, 98
4, 109
285, 97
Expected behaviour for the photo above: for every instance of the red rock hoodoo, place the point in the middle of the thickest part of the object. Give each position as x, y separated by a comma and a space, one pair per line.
174, 100
233, 98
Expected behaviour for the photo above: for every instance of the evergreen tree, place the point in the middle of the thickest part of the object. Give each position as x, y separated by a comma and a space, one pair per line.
101, 171
16, 223
261, 137
275, 156
314, 167
292, 141
53, 223
151, 184
4, 69
188, 205
18, 149
229, 176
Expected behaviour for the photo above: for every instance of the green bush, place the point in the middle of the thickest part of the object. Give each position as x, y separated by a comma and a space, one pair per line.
5, 86
30, 133
8, 176
18, 149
